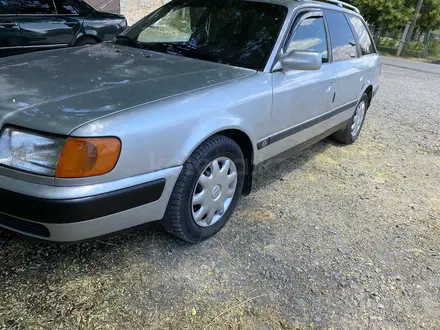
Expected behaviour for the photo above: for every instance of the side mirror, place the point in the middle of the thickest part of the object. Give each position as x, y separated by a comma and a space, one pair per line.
302, 60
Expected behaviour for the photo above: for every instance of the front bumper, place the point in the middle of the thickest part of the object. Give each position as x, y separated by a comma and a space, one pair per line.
76, 213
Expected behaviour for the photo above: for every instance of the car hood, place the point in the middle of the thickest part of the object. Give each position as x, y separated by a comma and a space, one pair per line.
58, 91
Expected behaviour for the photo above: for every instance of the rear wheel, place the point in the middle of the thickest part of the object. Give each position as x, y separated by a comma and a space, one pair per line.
353, 129
84, 41
207, 190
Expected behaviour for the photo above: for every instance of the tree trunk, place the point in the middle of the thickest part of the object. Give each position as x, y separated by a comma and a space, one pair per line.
376, 34
402, 43
412, 25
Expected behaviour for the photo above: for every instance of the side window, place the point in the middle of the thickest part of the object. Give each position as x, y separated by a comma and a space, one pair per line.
65, 8
310, 35
7, 7
341, 36
363, 35
35, 7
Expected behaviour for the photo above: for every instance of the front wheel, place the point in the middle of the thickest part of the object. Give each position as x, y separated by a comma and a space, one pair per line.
350, 134
207, 190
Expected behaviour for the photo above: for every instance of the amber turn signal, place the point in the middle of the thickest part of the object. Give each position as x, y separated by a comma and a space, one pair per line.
83, 157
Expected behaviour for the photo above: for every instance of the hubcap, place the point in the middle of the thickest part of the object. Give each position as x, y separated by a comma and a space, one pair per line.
214, 191
358, 119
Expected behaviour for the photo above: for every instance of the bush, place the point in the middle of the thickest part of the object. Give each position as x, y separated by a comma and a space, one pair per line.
415, 46
388, 42
434, 48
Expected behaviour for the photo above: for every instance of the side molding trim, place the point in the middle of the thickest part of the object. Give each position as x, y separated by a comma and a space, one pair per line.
307, 124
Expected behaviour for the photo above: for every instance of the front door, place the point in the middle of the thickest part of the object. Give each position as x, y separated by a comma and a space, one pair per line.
300, 98
42, 27
9, 29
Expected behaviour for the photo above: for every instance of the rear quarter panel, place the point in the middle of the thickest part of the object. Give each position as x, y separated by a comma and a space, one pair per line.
370, 65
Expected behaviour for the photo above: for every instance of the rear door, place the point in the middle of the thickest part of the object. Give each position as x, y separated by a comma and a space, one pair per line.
346, 61
43, 27
9, 28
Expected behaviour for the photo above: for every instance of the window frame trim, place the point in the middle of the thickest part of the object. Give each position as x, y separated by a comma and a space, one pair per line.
358, 53
70, 3
299, 18
78, 12
354, 33
329, 39
40, 14
50, 15
357, 38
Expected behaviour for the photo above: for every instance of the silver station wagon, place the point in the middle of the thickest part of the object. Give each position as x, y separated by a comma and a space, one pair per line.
170, 120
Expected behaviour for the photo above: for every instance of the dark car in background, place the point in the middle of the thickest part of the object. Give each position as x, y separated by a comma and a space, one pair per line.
29, 25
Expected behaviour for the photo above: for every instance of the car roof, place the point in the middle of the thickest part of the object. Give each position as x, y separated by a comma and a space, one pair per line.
292, 4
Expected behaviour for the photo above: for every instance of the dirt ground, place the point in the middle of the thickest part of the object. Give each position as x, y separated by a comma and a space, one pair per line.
337, 237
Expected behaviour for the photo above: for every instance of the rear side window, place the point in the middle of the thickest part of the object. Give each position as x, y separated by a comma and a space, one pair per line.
7, 7
363, 35
35, 7
65, 8
341, 36
310, 35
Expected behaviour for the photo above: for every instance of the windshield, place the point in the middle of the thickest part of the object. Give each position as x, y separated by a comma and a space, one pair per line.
239, 33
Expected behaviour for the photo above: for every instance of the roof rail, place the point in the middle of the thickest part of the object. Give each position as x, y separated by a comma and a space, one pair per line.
339, 4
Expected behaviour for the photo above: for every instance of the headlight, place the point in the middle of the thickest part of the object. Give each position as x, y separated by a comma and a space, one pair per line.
55, 156
29, 151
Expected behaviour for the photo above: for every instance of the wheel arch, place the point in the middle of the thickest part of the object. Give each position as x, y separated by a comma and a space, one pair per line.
246, 145
369, 92
91, 36
367, 88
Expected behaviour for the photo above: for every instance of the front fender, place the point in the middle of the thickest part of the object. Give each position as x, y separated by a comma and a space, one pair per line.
164, 133
211, 128
81, 32
103, 29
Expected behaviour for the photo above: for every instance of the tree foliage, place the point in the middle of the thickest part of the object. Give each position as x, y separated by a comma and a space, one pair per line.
393, 15
390, 15
429, 19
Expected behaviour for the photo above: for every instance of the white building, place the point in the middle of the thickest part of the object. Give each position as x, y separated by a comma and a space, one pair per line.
133, 10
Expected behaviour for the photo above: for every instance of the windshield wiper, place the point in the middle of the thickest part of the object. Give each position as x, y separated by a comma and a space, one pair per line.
180, 49
195, 51
132, 41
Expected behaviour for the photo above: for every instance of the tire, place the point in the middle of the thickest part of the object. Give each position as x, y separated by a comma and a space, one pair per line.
84, 41
179, 217
349, 135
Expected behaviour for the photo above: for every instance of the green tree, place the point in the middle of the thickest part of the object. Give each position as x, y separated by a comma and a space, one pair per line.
388, 15
429, 19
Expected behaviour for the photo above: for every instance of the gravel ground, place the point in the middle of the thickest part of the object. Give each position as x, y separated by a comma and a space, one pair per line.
333, 238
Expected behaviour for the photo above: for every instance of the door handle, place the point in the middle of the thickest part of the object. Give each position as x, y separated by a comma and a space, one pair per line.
8, 25
329, 87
